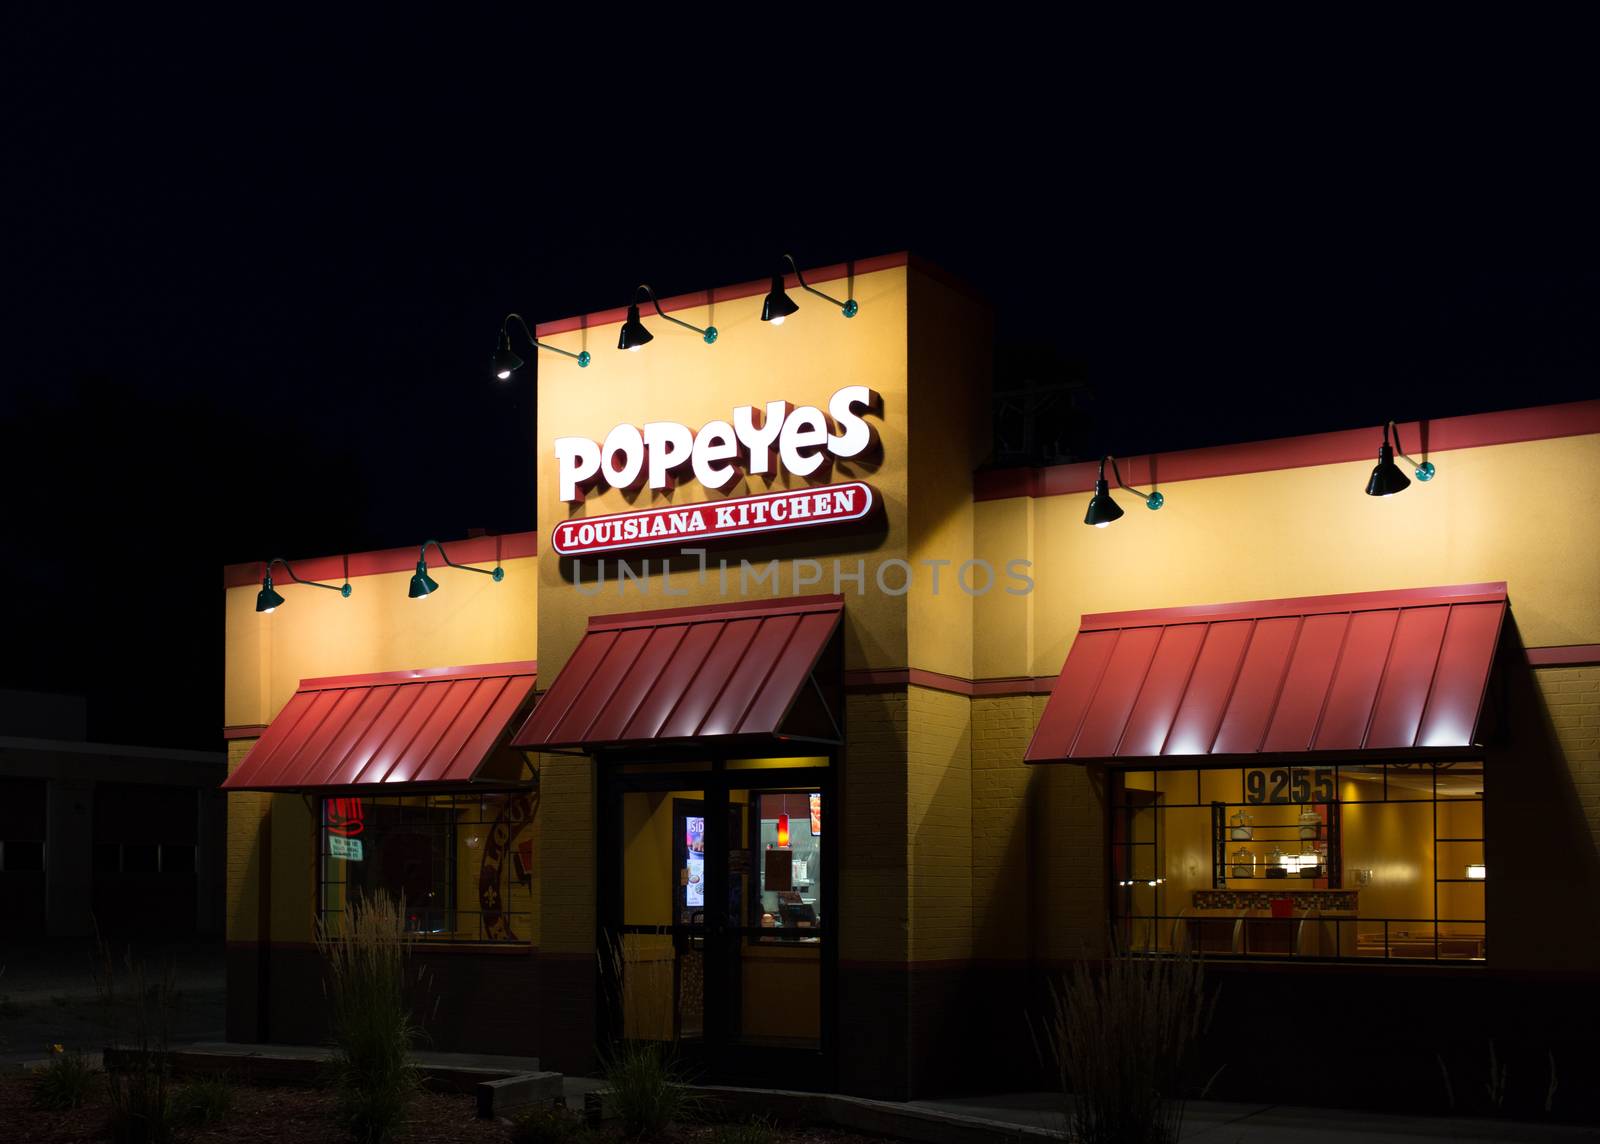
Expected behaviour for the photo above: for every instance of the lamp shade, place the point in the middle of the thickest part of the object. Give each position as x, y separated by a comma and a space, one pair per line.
422, 584
778, 304
633, 333
1102, 509
505, 361
267, 599
783, 830
1386, 479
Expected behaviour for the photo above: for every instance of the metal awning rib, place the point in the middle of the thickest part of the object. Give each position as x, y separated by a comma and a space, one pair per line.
429, 727
1399, 672
725, 673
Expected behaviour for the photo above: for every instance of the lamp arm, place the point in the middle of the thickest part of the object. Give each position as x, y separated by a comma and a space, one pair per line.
497, 572
535, 342
1398, 453
343, 589
651, 294
1118, 472
800, 278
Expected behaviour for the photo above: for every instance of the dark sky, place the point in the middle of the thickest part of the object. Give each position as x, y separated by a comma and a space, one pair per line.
247, 307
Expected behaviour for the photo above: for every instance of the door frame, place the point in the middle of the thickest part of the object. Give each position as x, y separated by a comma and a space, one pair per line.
719, 1058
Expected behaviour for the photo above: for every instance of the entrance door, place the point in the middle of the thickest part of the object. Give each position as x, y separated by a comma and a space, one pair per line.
717, 916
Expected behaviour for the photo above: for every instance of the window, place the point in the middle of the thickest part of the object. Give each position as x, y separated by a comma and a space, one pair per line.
463, 864
1381, 861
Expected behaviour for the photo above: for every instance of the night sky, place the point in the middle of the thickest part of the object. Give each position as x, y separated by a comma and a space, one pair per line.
247, 312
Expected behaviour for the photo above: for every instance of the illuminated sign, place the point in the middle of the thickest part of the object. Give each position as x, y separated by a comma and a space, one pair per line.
803, 441
343, 817
347, 848
713, 520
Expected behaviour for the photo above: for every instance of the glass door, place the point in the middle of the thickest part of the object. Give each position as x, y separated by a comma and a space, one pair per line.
653, 951
718, 935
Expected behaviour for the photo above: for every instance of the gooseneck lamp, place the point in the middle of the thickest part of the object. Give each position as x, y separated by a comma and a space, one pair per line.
505, 361
779, 305
423, 585
1102, 509
634, 335
267, 600
1387, 479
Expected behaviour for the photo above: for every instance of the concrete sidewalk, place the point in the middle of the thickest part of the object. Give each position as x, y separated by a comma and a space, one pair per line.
1213, 1122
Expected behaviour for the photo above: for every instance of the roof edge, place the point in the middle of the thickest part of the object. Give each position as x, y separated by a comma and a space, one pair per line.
732, 293
470, 550
1422, 439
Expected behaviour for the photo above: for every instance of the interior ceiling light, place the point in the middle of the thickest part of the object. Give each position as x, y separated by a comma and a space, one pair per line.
1387, 479
267, 600
779, 305
634, 335
505, 361
1102, 509
423, 585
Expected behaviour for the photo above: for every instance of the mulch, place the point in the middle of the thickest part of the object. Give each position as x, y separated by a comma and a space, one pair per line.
298, 1115
258, 1116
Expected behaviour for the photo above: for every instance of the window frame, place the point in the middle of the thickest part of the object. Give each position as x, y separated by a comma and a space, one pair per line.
456, 795
1121, 883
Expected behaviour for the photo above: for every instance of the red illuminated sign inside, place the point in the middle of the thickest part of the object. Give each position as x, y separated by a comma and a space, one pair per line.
714, 520
344, 816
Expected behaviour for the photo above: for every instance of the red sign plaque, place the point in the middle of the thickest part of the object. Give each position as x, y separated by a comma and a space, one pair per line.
713, 520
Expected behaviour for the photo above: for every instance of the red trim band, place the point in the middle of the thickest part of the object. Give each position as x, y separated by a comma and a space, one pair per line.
725, 293
1568, 655
892, 679
1420, 439
473, 550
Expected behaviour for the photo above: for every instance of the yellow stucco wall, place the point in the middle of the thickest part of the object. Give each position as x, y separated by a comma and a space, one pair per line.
1500, 512
677, 377
469, 620
1289, 533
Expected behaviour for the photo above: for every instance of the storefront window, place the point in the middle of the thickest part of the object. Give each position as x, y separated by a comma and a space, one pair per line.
463, 864
1369, 861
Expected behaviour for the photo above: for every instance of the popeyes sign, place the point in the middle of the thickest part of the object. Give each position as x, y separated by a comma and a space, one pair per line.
757, 441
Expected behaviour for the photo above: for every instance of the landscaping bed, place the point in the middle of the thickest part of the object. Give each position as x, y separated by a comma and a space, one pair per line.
292, 1114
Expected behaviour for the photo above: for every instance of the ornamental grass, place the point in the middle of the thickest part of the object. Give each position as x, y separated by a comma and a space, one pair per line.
1122, 1033
372, 1069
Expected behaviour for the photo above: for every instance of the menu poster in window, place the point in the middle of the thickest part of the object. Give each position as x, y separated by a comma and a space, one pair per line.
779, 873
695, 846
816, 814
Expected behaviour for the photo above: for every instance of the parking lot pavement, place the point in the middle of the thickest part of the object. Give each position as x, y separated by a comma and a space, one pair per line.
49, 995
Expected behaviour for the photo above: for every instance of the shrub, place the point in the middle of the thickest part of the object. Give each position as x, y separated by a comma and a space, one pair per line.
203, 1101
1121, 1033
140, 1014
756, 1130
371, 1021
548, 1124
646, 1090
63, 1083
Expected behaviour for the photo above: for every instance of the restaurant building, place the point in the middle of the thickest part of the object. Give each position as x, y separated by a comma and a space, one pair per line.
796, 738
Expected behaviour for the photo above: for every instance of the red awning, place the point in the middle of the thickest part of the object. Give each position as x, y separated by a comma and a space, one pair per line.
1401, 672
726, 672
439, 725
